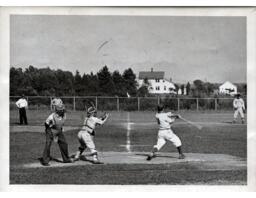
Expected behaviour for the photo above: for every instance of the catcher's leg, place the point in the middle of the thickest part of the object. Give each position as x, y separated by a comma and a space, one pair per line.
90, 144
82, 146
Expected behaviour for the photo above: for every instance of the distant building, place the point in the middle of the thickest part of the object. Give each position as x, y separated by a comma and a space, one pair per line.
228, 88
157, 84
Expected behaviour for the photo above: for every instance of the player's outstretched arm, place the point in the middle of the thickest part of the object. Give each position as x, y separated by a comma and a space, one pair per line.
103, 119
176, 116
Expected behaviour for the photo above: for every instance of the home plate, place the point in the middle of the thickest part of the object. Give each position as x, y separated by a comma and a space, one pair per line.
202, 161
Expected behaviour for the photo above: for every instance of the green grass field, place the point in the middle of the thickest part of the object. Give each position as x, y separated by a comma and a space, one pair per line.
215, 155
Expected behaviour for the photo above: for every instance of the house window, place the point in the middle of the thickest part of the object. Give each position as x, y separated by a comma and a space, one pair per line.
157, 80
165, 88
157, 88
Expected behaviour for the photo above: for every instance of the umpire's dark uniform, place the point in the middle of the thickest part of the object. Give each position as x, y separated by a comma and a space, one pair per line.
53, 131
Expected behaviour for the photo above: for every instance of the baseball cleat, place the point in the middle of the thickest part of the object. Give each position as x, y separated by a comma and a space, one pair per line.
150, 157
181, 156
45, 164
42, 162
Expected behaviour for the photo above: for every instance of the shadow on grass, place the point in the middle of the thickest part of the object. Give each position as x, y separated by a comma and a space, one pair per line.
161, 156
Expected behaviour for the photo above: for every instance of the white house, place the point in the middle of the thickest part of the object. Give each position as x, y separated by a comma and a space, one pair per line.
228, 88
156, 81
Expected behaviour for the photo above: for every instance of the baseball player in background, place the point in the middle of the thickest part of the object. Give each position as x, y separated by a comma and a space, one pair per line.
22, 104
54, 132
239, 107
165, 132
87, 133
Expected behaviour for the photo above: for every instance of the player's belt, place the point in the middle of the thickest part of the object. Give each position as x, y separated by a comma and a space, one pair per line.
88, 127
165, 129
87, 130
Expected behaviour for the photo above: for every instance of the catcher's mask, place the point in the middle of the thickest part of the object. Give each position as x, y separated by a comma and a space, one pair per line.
60, 109
91, 111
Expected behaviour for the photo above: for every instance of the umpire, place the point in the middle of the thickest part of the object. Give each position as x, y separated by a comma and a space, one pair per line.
54, 132
22, 104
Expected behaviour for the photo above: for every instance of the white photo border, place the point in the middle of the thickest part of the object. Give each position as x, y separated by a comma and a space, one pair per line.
248, 12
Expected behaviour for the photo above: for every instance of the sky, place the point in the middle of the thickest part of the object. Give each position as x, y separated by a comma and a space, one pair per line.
186, 48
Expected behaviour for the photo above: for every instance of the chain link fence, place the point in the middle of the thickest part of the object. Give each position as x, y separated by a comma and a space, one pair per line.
78, 103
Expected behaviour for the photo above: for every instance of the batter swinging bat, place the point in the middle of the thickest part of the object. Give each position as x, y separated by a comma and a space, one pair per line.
198, 126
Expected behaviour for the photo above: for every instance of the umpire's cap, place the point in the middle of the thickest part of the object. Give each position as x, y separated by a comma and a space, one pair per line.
160, 107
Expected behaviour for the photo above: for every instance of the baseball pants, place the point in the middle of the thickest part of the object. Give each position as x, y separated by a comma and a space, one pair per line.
86, 141
62, 145
23, 115
239, 111
167, 135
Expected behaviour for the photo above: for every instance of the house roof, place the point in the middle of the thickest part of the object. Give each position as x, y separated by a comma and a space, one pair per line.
151, 75
228, 84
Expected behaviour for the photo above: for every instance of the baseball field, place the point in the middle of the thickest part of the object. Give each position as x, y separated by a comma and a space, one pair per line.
215, 155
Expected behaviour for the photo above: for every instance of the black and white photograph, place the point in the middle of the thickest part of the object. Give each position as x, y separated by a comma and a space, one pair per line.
129, 96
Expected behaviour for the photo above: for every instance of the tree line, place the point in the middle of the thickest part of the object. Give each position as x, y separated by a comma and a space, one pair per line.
47, 82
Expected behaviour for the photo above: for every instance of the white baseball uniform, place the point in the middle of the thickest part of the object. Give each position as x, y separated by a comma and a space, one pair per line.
238, 104
22, 103
86, 134
165, 132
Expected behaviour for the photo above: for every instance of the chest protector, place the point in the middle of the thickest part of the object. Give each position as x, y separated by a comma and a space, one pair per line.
58, 122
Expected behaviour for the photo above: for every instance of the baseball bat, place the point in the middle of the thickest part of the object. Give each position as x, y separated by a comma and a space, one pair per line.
198, 126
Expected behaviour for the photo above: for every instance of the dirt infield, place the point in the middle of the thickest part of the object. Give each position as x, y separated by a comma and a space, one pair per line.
199, 160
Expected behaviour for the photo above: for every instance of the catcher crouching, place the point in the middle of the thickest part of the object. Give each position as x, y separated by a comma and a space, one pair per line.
87, 133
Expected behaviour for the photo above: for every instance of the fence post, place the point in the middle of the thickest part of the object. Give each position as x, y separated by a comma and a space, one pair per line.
216, 104
197, 104
178, 99
138, 103
27, 102
51, 103
96, 103
117, 103
74, 103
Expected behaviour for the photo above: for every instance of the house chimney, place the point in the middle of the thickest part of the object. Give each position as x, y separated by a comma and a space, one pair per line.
151, 69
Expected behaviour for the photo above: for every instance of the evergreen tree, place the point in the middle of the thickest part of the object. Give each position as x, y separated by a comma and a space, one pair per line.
188, 88
106, 84
119, 84
130, 81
